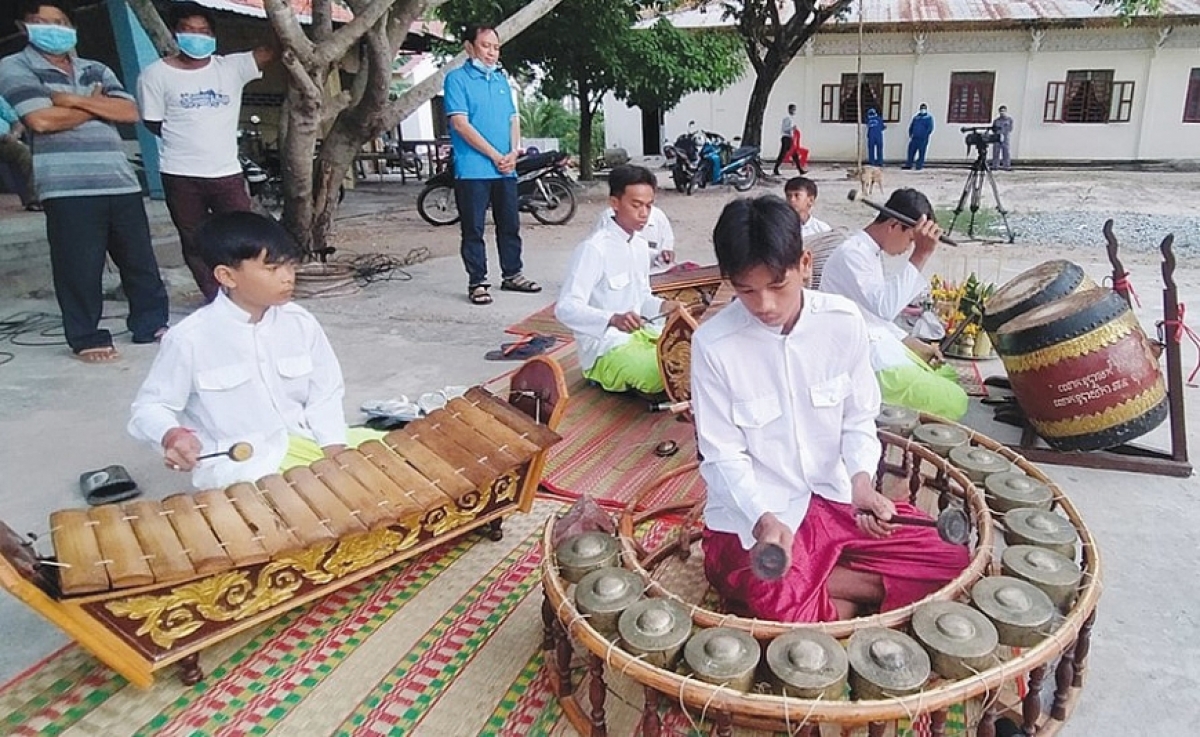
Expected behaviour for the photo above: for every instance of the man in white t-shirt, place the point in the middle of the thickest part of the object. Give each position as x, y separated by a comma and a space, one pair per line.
192, 101
658, 234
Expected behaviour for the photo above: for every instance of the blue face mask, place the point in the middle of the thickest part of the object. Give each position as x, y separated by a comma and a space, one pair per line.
196, 45
485, 68
50, 38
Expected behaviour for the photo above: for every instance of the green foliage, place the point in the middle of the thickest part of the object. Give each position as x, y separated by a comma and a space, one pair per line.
668, 64
542, 118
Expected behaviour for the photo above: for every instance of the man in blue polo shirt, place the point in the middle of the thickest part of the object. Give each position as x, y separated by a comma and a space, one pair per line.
486, 132
93, 201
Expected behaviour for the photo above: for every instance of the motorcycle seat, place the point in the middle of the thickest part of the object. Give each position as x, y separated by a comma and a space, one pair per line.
534, 162
742, 152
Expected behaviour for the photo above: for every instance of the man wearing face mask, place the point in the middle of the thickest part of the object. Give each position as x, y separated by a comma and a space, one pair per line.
192, 100
486, 133
92, 197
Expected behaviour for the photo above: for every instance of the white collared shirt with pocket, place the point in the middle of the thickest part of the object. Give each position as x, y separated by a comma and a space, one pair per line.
782, 417
230, 380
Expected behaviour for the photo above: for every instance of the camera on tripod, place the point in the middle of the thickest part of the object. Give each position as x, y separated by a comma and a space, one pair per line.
980, 135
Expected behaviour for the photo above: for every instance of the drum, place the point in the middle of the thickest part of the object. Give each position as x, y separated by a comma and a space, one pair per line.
1043, 283
1082, 370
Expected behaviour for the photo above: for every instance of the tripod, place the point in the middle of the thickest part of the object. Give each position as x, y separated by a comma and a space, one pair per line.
980, 169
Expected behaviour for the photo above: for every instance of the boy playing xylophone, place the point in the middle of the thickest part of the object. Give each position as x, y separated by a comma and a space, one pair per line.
249, 367
785, 409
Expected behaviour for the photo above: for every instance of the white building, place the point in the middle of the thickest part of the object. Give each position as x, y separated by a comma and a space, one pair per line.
1078, 84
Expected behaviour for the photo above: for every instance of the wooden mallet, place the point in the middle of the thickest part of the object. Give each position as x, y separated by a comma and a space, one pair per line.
237, 452
855, 197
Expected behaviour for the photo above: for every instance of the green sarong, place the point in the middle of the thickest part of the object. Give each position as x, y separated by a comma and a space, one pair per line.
919, 386
633, 365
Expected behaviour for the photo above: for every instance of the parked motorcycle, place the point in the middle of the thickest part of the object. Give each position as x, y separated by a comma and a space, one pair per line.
703, 157
543, 189
260, 168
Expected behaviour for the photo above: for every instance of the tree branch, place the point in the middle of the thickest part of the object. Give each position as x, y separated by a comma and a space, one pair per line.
291, 35
335, 47
322, 19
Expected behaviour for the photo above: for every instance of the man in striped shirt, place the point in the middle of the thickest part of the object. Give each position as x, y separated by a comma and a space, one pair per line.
93, 201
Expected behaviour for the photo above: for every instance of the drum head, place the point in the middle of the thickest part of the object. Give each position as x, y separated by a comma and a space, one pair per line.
807, 660
1027, 284
887, 660
1057, 310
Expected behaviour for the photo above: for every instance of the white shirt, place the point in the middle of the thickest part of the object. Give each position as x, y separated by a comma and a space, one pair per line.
609, 273
785, 130
855, 271
199, 111
813, 226
782, 417
658, 235
232, 380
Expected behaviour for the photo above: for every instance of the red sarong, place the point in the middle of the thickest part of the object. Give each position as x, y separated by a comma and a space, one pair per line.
913, 562
797, 153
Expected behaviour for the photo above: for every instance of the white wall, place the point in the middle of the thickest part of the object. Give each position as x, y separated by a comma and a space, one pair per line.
1023, 64
419, 125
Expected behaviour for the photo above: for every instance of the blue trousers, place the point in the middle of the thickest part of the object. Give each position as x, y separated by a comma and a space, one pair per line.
473, 196
875, 149
916, 149
81, 231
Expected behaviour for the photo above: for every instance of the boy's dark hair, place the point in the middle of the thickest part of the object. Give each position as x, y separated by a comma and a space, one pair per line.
796, 184
763, 231
230, 238
27, 8
910, 202
181, 10
627, 175
472, 31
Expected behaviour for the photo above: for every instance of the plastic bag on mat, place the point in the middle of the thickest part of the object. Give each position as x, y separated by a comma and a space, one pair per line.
584, 515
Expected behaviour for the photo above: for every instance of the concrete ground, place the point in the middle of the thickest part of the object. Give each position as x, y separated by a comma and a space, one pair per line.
59, 417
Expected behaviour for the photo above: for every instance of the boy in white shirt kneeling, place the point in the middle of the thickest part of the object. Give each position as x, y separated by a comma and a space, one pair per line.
785, 406
249, 367
605, 298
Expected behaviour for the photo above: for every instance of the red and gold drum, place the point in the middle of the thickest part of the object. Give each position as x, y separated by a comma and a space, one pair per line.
1083, 371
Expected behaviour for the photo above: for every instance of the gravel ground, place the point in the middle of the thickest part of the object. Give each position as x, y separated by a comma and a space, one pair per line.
1138, 231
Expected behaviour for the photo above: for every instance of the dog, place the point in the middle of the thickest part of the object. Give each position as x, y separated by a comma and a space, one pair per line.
871, 177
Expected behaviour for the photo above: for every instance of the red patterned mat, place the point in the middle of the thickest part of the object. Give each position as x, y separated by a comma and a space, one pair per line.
541, 322
969, 377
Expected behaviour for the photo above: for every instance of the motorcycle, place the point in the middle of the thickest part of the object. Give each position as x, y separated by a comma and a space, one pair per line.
264, 180
703, 157
543, 190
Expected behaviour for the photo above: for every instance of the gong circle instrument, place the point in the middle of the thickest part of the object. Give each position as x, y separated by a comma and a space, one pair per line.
808, 664
1041, 528
978, 463
581, 554
983, 646
724, 656
606, 592
1011, 490
899, 420
1083, 372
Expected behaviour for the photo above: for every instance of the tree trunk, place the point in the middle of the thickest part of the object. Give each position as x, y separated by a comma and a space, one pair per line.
298, 141
155, 27
586, 170
768, 75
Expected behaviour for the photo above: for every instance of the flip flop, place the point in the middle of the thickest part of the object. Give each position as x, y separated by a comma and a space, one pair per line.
99, 354
108, 485
527, 347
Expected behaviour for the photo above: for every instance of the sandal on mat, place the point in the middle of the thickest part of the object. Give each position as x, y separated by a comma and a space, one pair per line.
479, 295
519, 283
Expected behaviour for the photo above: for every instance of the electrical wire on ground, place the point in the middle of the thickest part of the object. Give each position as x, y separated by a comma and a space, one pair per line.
347, 275
33, 329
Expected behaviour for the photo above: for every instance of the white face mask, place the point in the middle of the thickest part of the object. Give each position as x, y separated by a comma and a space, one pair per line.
485, 68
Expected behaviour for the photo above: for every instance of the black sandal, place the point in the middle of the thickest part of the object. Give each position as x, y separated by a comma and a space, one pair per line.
479, 295
519, 283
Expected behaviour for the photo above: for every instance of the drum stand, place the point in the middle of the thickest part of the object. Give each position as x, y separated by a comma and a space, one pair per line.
973, 188
1130, 456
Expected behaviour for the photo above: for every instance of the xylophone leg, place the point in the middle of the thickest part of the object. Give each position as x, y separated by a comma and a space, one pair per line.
492, 530
190, 671
876, 729
597, 691
937, 723
651, 724
1082, 646
1031, 707
1063, 675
